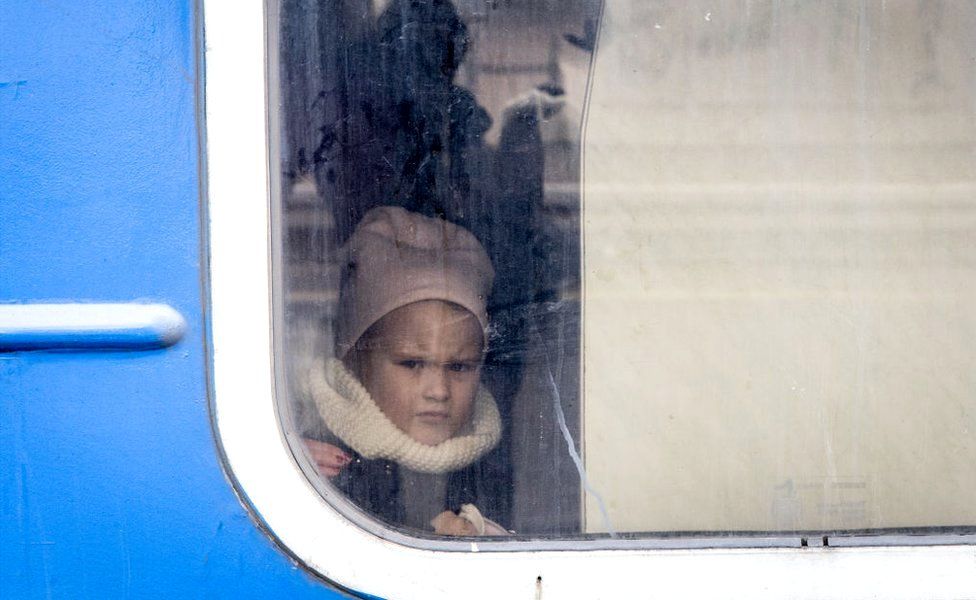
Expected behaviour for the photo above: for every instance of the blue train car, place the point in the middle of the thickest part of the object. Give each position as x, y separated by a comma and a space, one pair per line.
146, 442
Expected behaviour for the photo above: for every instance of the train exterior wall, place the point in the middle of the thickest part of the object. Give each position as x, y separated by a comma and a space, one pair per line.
110, 480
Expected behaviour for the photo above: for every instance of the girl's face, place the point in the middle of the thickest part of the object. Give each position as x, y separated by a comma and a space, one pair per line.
422, 364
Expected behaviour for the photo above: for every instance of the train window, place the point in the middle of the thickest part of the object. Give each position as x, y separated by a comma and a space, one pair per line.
430, 153
573, 288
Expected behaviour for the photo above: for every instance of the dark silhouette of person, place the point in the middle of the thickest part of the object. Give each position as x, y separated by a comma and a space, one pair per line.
420, 136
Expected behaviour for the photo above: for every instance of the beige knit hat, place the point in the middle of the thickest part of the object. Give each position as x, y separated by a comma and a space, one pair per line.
396, 257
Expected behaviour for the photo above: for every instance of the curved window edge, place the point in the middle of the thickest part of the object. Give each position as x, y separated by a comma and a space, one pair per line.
270, 479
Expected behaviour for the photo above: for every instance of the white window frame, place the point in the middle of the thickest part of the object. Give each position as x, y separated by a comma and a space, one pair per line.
270, 481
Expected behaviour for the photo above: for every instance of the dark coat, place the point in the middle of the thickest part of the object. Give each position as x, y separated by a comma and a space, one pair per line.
373, 485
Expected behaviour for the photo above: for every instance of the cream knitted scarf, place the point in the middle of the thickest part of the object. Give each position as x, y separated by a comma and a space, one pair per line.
351, 414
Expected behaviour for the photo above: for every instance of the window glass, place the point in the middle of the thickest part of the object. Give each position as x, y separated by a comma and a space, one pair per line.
555, 268
779, 267
430, 152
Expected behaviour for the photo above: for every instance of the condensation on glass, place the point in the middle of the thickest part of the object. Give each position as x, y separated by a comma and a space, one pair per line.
468, 112
734, 245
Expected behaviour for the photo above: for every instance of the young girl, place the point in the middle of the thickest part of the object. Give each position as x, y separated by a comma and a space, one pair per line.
407, 418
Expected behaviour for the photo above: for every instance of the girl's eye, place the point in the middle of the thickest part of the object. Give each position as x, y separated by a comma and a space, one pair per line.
411, 364
460, 367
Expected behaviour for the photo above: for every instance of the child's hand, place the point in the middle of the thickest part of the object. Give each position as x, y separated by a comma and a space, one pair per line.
448, 523
328, 459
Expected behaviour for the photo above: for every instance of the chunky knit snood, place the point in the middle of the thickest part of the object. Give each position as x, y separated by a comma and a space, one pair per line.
351, 414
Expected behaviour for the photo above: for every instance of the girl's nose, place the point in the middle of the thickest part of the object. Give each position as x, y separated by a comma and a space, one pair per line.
436, 384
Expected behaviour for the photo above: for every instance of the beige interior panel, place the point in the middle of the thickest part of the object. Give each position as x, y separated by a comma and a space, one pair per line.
780, 266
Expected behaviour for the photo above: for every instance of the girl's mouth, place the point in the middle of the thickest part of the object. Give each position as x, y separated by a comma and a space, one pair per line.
433, 416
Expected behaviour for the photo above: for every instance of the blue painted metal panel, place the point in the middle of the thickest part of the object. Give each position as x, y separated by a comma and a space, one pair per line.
110, 484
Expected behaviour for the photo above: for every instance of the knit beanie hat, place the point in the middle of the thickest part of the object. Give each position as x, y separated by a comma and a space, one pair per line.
396, 257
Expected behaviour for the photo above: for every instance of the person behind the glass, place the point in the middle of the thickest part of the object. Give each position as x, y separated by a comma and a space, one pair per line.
407, 416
